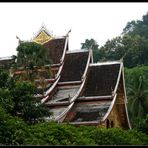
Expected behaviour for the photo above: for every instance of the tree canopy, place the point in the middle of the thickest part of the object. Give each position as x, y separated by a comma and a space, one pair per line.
138, 27
18, 99
131, 46
136, 86
31, 53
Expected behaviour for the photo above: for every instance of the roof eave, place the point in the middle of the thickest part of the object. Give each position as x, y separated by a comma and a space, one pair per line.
110, 108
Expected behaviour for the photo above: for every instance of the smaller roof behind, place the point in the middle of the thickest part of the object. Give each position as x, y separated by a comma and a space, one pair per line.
55, 45
5, 61
74, 66
55, 49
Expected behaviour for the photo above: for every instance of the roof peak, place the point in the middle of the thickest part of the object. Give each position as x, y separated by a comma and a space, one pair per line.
44, 28
43, 35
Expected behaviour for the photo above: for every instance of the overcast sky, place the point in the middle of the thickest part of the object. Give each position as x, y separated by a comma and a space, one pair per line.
100, 21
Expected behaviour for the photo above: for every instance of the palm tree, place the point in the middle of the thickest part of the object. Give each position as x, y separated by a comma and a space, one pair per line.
137, 97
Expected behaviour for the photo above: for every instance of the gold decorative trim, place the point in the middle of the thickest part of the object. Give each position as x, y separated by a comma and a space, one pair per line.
42, 37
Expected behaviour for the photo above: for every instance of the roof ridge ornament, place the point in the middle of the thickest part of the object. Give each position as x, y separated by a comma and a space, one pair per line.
67, 34
19, 40
44, 28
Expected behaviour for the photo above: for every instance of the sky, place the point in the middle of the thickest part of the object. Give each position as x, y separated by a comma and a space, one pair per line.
100, 21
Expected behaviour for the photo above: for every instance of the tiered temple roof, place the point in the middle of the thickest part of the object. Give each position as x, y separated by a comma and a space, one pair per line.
74, 66
83, 92
6, 61
101, 79
56, 49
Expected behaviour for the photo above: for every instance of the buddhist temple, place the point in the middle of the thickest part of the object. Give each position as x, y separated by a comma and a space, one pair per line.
82, 92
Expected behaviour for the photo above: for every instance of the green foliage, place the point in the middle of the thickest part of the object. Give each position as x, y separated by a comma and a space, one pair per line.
112, 50
26, 105
17, 98
6, 100
30, 57
133, 50
139, 27
136, 85
141, 124
132, 46
30, 54
5, 80
65, 134
110, 137
6, 84
137, 138
12, 130
116, 136
57, 134
91, 44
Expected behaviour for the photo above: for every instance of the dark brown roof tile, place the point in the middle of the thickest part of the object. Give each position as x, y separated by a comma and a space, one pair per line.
55, 49
6, 62
74, 66
101, 80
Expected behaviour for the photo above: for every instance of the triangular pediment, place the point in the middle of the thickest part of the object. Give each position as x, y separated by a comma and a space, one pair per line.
42, 37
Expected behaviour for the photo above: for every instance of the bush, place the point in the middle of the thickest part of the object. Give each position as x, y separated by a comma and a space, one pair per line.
57, 134
117, 136
13, 130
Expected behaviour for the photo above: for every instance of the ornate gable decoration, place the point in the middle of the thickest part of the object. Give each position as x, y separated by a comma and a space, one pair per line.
42, 37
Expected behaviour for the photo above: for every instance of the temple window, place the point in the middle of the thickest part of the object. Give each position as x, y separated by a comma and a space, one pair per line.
112, 124
107, 123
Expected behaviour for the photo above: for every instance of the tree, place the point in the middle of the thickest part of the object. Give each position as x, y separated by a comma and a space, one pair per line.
26, 105
6, 100
131, 46
17, 98
6, 84
141, 124
31, 55
133, 50
139, 27
112, 50
3, 78
91, 44
13, 130
137, 84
